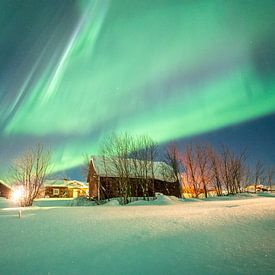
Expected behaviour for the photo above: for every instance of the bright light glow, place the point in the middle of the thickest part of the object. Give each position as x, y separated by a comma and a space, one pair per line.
18, 194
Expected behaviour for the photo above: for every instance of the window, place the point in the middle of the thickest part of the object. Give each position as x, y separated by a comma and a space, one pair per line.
55, 192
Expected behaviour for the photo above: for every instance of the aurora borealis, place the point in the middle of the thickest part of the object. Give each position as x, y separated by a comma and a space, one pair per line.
74, 71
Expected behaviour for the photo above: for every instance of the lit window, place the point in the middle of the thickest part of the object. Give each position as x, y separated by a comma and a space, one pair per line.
55, 191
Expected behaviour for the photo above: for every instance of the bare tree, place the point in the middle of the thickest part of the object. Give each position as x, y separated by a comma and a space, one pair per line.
86, 166
259, 174
215, 162
173, 159
204, 168
239, 170
270, 175
131, 158
29, 171
226, 169
115, 149
247, 176
147, 151
233, 170
191, 170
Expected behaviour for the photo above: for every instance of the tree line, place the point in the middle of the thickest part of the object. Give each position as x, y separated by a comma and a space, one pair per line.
199, 168
221, 170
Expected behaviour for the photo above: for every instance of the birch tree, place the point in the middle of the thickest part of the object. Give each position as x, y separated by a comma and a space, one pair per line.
29, 171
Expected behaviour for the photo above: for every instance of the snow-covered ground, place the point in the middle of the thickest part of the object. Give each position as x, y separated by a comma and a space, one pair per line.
215, 236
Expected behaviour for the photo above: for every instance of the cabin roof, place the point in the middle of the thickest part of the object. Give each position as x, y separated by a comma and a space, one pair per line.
5, 184
65, 183
106, 167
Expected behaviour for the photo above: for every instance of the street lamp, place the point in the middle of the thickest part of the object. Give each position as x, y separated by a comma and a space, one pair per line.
17, 196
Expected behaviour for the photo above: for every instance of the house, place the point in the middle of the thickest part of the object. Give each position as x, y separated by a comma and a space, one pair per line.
259, 188
63, 189
189, 192
5, 190
104, 179
271, 188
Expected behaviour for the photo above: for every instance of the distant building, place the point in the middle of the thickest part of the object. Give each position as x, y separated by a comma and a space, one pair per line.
197, 191
5, 190
188, 192
271, 188
63, 189
104, 179
259, 188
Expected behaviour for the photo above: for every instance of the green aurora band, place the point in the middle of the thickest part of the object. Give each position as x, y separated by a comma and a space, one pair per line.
169, 69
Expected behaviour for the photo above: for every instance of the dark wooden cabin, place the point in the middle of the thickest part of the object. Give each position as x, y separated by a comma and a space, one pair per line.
5, 190
104, 181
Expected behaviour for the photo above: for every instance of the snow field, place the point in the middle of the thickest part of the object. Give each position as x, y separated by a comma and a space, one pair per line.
174, 237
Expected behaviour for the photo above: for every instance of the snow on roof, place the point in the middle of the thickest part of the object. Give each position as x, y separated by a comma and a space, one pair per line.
106, 167
65, 183
5, 184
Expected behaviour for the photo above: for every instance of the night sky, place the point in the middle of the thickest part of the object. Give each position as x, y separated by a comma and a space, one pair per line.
72, 72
